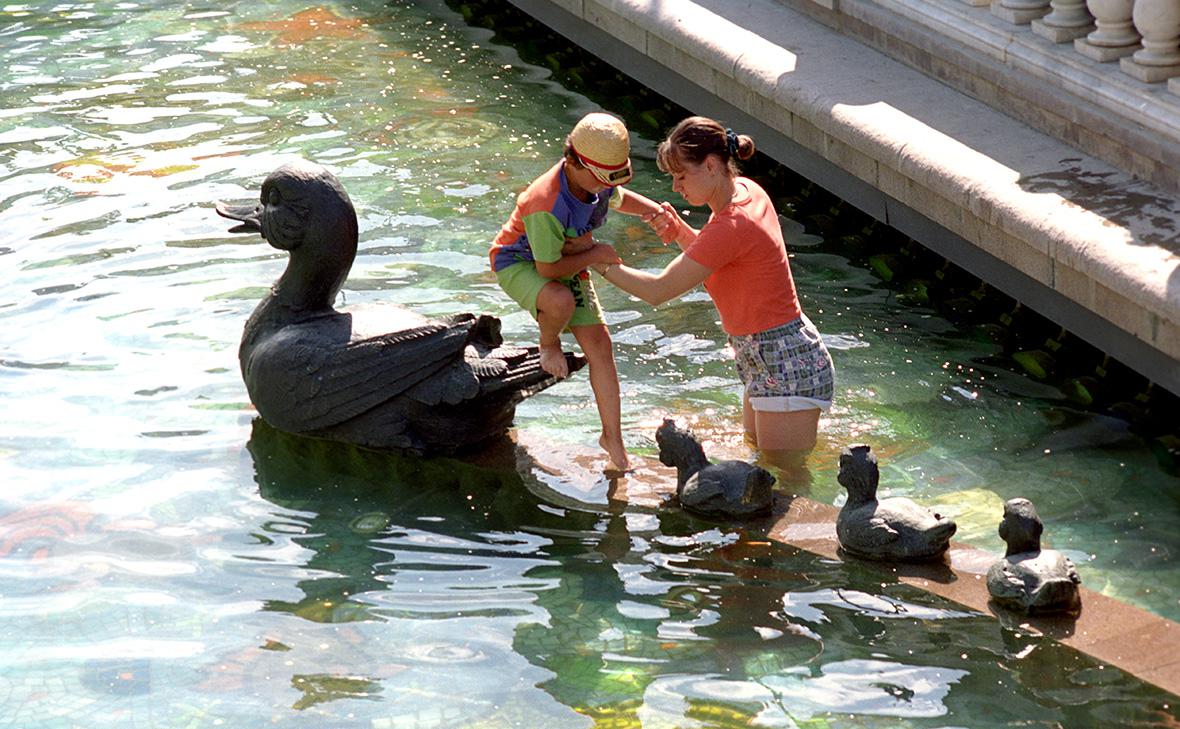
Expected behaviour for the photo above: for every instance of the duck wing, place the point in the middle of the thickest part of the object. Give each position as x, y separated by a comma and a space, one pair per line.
863, 529
909, 516
1007, 582
879, 533
315, 375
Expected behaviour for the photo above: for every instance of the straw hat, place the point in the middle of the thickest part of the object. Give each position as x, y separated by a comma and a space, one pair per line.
601, 144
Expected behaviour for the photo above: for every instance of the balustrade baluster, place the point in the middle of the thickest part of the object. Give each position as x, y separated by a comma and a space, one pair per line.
1114, 36
1158, 23
1068, 19
1019, 12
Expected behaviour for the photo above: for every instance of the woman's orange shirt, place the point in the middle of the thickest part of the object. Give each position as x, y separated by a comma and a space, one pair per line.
751, 282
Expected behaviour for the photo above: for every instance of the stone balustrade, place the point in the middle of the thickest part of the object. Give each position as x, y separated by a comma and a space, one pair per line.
1100, 75
1142, 35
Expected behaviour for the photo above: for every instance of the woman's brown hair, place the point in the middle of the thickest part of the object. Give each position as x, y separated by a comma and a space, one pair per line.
697, 137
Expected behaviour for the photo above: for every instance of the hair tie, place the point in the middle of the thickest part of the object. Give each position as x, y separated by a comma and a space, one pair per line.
731, 142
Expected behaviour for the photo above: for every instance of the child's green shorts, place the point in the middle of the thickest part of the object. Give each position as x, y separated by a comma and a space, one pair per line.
522, 282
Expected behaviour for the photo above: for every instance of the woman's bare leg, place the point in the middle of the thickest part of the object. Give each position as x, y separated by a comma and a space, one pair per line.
798, 428
749, 422
793, 431
773, 431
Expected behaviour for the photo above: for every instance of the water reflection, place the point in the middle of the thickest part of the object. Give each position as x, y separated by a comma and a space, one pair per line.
606, 603
419, 566
658, 596
372, 520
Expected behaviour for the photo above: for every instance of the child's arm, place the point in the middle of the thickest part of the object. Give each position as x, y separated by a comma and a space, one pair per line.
662, 218
668, 224
548, 241
582, 243
597, 254
632, 203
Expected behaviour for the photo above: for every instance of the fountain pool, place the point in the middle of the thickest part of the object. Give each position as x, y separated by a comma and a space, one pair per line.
168, 561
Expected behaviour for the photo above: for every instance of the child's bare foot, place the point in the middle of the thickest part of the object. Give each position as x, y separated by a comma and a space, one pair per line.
614, 448
553, 361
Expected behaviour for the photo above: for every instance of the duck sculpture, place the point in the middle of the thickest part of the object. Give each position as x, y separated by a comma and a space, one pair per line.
381, 377
1030, 579
895, 529
734, 489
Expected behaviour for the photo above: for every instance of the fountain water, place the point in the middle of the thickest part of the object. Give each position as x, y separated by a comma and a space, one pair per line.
167, 559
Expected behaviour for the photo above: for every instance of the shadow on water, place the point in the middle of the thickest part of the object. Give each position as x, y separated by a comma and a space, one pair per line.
348, 497
620, 598
433, 563
622, 614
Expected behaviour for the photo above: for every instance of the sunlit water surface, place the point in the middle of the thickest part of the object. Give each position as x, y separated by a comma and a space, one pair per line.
166, 562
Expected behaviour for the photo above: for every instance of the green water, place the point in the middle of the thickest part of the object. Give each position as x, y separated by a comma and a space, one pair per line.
167, 562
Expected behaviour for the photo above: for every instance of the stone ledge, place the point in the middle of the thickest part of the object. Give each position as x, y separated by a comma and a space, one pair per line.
1059, 34
1103, 54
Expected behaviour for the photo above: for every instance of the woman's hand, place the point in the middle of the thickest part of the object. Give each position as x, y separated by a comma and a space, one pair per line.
603, 254
665, 222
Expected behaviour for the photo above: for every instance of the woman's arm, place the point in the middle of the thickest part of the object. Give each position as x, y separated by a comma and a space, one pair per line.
679, 276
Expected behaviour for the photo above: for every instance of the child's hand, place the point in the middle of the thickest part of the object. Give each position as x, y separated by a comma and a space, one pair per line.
582, 243
665, 222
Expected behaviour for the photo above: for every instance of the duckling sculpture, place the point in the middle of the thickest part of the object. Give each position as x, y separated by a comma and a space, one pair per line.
1030, 579
895, 529
381, 377
725, 489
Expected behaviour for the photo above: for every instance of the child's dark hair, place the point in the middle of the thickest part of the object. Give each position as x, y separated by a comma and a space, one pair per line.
570, 155
697, 137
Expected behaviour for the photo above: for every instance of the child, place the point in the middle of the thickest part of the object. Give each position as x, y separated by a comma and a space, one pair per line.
541, 255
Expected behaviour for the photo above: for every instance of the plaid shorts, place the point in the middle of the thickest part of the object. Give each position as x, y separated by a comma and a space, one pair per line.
786, 368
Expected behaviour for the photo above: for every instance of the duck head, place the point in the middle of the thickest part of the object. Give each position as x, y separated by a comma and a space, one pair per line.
304, 210
679, 448
859, 473
1021, 527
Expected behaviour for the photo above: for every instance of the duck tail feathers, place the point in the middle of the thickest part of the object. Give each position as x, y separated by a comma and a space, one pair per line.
520, 369
947, 529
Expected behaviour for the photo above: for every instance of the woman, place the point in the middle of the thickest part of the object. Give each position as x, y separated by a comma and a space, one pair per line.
740, 257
